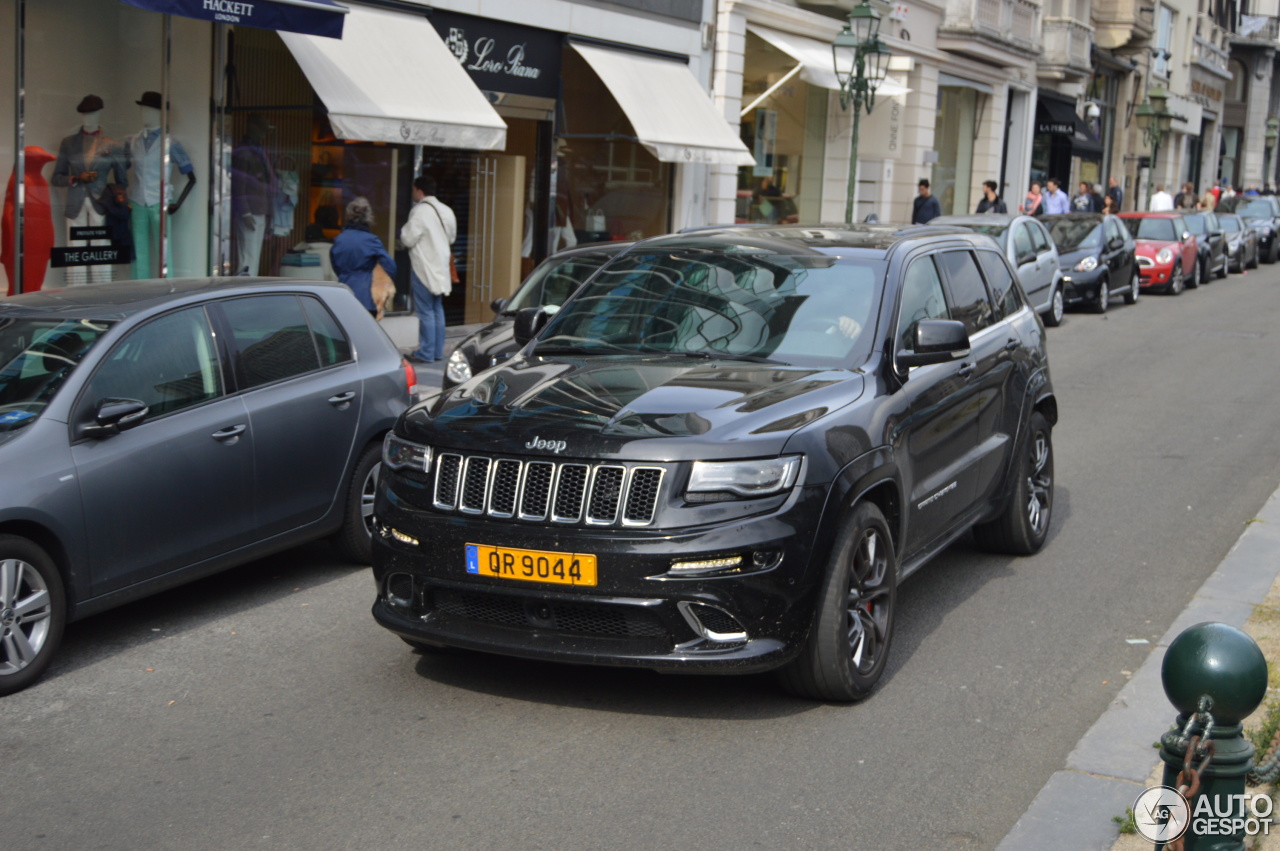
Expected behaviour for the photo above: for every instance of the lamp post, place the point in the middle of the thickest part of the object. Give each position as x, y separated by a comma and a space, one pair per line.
1273, 131
859, 57
1154, 120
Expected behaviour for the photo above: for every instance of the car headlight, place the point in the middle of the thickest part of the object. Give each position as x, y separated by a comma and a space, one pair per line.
400, 454
1164, 256
458, 368
1088, 264
756, 477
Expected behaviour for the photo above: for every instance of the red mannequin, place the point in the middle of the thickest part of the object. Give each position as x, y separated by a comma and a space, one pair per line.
37, 223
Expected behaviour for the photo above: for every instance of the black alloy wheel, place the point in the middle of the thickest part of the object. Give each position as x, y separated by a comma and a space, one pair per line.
33, 612
844, 655
1024, 526
1131, 297
1104, 297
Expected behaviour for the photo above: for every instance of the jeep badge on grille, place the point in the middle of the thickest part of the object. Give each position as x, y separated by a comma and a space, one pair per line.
538, 443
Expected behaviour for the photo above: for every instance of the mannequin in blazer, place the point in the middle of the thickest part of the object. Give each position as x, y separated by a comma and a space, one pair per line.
87, 161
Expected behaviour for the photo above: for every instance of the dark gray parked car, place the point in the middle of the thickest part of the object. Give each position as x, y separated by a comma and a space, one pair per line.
155, 432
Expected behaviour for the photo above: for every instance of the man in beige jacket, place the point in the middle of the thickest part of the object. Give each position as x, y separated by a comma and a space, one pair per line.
431, 229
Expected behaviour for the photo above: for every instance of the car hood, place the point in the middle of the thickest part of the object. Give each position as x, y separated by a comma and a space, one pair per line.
1152, 247
653, 408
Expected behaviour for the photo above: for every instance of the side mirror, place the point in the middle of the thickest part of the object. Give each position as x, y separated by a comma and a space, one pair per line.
498, 305
529, 322
1186, 234
1028, 257
936, 341
114, 416
1116, 242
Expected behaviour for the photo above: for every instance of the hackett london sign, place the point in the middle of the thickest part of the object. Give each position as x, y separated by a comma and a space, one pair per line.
317, 17
503, 57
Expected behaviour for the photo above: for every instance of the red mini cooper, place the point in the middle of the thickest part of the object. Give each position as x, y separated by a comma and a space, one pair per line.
1167, 250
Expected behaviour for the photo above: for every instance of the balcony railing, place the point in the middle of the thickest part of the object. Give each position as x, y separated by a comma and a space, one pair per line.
1257, 29
1208, 55
1010, 21
1067, 44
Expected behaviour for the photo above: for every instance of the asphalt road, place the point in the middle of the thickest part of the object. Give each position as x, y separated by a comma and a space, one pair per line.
263, 708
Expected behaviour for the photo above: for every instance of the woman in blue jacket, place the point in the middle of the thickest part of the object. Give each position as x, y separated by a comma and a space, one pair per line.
356, 251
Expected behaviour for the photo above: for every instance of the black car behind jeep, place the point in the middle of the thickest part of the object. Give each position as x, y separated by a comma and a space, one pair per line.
723, 455
1262, 213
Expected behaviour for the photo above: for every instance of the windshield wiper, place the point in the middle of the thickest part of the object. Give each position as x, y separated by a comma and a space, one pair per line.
723, 356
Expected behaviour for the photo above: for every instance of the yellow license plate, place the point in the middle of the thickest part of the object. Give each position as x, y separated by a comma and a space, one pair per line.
531, 565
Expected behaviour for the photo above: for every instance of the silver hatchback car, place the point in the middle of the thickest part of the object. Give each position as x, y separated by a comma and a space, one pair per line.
1030, 251
154, 432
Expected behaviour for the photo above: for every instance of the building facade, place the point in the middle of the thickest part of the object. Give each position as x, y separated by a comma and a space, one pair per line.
556, 124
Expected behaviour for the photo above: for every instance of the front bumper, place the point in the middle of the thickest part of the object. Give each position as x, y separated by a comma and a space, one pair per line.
1154, 275
639, 614
1081, 287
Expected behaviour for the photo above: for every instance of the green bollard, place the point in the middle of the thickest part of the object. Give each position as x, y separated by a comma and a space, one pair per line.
1215, 674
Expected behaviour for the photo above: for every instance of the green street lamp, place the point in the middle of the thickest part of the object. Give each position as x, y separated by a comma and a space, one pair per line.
1155, 119
859, 57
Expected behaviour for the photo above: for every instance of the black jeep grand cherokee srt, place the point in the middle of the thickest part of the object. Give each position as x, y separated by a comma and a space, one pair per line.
723, 454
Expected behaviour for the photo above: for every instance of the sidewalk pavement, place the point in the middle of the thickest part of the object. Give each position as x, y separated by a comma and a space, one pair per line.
1111, 765
403, 331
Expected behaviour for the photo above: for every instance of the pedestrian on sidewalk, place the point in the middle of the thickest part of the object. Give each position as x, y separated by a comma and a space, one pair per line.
925, 207
1161, 201
356, 250
429, 233
1033, 204
1115, 192
1085, 201
991, 202
1056, 201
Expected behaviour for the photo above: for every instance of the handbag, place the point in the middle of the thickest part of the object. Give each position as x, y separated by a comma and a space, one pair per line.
453, 264
381, 290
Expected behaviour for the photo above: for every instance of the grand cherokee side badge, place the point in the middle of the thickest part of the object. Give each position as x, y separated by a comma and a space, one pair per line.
554, 445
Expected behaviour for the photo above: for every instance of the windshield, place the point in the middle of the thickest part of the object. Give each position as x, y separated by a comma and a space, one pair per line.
555, 280
1257, 208
1196, 223
36, 356
1070, 234
809, 309
1163, 230
1230, 224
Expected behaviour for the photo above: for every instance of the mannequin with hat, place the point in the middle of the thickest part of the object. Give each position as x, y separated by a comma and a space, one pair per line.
87, 161
144, 152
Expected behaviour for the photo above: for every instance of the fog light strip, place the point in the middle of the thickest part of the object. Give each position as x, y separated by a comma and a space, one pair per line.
403, 538
708, 564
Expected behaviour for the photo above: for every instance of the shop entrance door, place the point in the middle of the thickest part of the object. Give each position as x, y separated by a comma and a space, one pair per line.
496, 227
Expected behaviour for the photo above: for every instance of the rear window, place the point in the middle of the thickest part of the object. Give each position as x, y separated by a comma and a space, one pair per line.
272, 339
1159, 229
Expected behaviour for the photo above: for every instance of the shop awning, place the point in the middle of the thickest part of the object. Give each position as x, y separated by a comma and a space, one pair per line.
391, 79
312, 17
672, 115
1055, 116
945, 79
816, 61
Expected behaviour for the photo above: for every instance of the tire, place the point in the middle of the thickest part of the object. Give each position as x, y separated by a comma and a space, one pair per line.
1057, 308
1206, 277
1024, 526
33, 612
1135, 285
1222, 273
1253, 264
1192, 281
1274, 253
1104, 297
848, 643
1176, 283
355, 539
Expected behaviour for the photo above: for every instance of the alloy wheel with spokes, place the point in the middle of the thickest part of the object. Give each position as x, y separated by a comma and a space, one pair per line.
1040, 485
844, 655
1023, 527
869, 602
1135, 285
32, 612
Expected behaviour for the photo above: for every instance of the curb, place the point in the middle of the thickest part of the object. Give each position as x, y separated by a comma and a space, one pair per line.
1110, 765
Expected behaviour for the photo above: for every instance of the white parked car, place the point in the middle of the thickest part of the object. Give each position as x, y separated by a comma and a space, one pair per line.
1031, 252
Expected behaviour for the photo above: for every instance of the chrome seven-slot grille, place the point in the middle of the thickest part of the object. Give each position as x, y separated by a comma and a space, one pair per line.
562, 492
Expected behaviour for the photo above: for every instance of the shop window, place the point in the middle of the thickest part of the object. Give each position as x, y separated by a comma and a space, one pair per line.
94, 211
608, 186
786, 134
952, 176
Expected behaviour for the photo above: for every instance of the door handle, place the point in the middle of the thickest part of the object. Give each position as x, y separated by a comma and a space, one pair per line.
228, 433
966, 369
1011, 344
342, 399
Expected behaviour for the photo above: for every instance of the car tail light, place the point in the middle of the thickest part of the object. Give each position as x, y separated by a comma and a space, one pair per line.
410, 376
